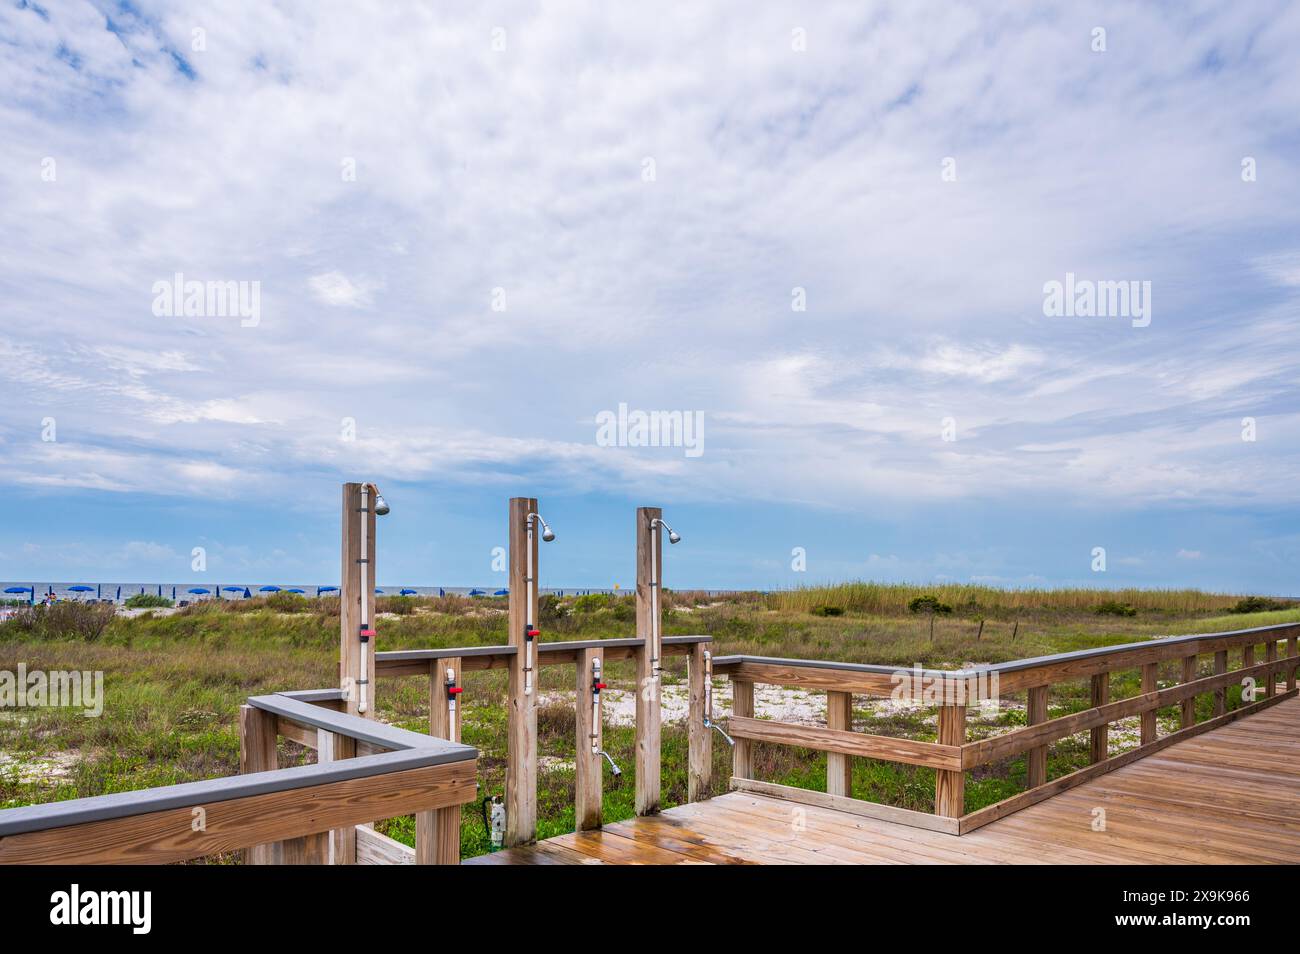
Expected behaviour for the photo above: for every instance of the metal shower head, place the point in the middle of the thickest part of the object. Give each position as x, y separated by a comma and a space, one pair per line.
547, 533
673, 535
381, 505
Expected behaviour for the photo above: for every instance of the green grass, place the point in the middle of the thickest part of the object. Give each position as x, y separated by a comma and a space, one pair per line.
174, 684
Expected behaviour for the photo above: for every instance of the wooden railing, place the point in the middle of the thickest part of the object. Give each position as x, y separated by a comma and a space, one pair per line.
951, 755
281, 815
581, 654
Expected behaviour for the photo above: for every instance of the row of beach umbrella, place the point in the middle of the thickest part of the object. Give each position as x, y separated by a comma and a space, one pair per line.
244, 591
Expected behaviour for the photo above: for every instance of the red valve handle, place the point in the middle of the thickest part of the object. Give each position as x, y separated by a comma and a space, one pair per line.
534, 632
453, 690
367, 633
600, 685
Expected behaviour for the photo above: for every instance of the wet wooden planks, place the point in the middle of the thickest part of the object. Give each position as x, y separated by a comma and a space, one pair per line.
1230, 796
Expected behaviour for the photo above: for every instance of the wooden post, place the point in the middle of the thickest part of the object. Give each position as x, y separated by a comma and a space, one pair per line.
1248, 659
437, 832
1100, 696
1270, 655
437, 836
440, 724
257, 753
839, 768
648, 684
311, 849
950, 787
699, 775
521, 756
1291, 650
1220, 695
342, 848
742, 707
1148, 718
352, 610
1036, 758
1189, 704
589, 785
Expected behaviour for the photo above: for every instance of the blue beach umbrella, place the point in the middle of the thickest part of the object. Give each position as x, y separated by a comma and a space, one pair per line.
441, 591
326, 589
477, 593
29, 590
199, 591
378, 591
119, 592
408, 592
99, 591
268, 589
501, 593
294, 589
233, 589
160, 589
81, 589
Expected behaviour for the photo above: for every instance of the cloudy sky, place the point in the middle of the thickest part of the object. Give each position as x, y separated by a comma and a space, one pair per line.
472, 228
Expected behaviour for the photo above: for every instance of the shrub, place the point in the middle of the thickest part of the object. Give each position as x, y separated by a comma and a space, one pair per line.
1257, 604
928, 604
147, 601
283, 602
1115, 608
591, 602
400, 605
84, 621
828, 611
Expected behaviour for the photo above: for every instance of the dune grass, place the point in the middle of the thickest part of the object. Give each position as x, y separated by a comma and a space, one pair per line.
174, 682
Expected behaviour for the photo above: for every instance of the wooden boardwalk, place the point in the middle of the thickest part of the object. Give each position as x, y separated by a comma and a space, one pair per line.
1229, 796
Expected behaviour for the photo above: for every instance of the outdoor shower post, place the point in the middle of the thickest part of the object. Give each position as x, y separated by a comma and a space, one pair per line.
352, 610
521, 754
649, 570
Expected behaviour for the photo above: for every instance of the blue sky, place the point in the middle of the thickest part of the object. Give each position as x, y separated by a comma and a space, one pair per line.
502, 154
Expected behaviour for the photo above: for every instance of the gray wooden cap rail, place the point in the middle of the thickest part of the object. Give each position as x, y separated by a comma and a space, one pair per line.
722, 663
408, 750
415, 655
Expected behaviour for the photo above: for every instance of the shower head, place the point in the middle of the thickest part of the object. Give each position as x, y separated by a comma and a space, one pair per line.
381, 505
547, 533
673, 535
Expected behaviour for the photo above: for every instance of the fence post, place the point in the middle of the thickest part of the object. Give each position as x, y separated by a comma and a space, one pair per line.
1148, 718
437, 836
1189, 704
950, 787
521, 754
441, 724
1036, 758
649, 567
839, 768
351, 611
699, 777
257, 753
342, 841
742, 707
1100, 696
1291, 650
588, 788
1221, 694
1270, 655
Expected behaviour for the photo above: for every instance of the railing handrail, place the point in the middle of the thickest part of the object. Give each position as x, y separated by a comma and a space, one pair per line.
722, 663
559, 646
378, 734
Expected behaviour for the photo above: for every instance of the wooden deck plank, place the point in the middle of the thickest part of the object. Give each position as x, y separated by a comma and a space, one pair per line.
1229, 796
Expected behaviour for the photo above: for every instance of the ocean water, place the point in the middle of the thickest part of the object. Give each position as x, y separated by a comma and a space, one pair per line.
110, 591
